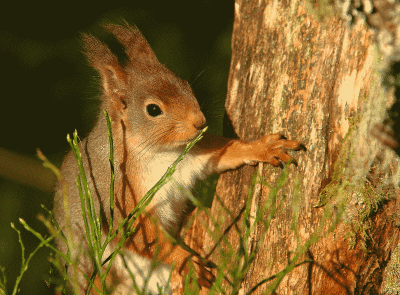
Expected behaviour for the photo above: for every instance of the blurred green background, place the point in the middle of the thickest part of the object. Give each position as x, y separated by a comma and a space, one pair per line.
48, 90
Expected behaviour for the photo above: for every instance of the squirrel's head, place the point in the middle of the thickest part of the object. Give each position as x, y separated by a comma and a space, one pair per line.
157, 107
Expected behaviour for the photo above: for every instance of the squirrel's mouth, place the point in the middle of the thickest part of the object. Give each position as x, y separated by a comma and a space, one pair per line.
184, 142
182, 138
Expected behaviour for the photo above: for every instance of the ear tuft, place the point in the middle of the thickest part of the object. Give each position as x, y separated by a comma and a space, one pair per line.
97, 53
113, 76
136, 47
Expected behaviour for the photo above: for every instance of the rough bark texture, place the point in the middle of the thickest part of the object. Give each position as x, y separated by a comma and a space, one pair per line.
318, 85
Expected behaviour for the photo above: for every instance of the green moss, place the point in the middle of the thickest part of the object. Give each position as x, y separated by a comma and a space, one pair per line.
341, 184
342, 190
369, 199
360, 197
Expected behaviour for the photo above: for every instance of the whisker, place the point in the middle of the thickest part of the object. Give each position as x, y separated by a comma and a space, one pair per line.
154, 138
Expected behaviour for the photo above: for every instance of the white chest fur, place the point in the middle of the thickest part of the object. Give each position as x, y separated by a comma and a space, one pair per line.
170, 199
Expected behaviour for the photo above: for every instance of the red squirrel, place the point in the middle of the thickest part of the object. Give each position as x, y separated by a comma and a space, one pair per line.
154, 116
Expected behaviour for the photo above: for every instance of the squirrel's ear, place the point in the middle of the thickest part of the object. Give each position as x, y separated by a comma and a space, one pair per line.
136, 47
113, 76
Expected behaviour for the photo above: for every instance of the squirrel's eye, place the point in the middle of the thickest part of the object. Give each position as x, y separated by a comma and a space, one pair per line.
153, 110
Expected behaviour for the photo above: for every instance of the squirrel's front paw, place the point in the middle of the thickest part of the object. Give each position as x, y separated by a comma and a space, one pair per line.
204, 276
273, 149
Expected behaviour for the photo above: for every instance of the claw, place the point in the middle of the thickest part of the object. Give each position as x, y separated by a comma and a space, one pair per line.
291, 144
272, 138
302, 147
274, 161
205, 278
205, 262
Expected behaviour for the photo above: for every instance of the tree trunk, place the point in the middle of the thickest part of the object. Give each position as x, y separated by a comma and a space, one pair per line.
329, 226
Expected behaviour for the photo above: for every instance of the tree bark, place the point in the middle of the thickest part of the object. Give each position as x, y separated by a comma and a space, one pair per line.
316, 83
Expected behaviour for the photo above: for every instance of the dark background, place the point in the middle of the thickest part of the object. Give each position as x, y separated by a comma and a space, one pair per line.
48, 90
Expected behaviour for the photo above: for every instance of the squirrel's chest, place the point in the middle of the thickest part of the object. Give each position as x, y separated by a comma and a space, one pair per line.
187, 171
171, 201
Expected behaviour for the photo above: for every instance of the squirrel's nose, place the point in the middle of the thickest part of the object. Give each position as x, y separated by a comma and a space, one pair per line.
200, 122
